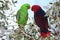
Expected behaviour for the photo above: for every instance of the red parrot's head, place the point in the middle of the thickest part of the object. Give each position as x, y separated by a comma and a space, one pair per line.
35, 8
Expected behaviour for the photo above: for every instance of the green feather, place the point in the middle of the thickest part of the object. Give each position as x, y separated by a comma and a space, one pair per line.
22, 15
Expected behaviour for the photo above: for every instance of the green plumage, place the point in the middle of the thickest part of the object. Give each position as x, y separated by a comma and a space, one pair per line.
22, 15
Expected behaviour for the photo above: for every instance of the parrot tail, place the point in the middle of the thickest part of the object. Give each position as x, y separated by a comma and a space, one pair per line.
44, 35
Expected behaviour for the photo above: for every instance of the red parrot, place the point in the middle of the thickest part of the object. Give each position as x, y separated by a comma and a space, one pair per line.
41, 20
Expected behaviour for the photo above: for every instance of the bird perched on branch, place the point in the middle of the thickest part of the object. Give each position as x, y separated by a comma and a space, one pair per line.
22, 15
41, 20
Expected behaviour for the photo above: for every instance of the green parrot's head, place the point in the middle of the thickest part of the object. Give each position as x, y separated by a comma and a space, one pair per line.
27, 5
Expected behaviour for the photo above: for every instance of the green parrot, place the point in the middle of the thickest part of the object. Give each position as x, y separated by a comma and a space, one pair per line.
22, 15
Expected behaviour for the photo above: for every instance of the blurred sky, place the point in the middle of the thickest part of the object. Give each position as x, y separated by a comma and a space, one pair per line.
42, 3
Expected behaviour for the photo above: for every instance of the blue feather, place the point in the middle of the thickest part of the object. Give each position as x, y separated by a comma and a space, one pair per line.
18, 17
41, 12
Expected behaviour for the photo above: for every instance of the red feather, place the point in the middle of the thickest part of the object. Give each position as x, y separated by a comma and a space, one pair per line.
41, 21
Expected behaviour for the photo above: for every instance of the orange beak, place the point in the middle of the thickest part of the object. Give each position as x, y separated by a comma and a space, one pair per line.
29, 7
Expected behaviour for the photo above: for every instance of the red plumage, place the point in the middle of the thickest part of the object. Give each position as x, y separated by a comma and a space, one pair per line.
41, 20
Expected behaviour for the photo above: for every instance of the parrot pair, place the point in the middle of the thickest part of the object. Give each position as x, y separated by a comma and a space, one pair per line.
39, 17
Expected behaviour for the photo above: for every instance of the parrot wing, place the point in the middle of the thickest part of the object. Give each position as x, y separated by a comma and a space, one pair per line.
41, 12
18, 17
